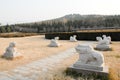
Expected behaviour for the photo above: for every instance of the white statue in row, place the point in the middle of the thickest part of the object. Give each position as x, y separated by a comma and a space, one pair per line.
89, 58
11, 52
54, 42
73, 38
103, 44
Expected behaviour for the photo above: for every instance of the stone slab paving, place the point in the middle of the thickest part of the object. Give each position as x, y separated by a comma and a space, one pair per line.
37, 68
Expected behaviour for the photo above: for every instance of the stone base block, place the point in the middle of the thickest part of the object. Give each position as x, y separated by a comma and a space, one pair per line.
103, 47
104, 72
89, 67
54, 45
73, 40
16, 56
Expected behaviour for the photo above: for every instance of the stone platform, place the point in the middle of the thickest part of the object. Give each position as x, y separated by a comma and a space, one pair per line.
82, 70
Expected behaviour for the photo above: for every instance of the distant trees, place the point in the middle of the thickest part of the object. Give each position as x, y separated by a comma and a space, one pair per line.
65, 25
6, 28
2, 29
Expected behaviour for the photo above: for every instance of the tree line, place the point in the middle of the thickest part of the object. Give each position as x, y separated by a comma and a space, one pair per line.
67, 26
5, 29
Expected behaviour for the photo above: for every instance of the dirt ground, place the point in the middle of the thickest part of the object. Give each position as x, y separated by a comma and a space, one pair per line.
36, 47
32, 48
112, 60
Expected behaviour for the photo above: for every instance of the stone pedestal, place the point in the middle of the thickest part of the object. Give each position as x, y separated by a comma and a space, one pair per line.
103, 47
87, 66
103, 72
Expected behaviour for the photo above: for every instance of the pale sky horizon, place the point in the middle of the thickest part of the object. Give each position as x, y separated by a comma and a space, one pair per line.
23, 11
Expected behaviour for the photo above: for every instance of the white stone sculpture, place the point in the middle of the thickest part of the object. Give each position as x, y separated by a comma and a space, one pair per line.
98, 39
103, 44
89, 59
73, 38
107, 38
56, 38
11, 51
54, 42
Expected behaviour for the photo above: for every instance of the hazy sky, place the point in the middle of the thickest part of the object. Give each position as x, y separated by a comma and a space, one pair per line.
17, 11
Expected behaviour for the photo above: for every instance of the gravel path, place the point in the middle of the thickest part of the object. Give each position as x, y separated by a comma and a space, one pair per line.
35, 69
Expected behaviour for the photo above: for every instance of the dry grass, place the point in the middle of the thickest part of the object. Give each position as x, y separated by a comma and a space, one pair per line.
112, 60
32, 48
102, 30
16, 34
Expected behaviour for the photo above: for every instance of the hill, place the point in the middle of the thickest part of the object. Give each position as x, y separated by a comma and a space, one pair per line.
73, 17
68, 23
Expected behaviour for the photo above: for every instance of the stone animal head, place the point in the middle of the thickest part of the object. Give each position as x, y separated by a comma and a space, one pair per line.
98, 38
109, 38
84, 49
12, 44
103, 35
74, 36
56, 38
71, 37
52, 40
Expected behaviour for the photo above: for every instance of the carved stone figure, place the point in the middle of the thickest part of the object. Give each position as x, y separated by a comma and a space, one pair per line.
89, 58
54, 42
11, 51
107, 38
99, 39
56, 38
103, 44
73, 38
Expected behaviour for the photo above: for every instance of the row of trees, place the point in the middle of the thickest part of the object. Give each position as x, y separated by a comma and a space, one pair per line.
6, 28
67, 26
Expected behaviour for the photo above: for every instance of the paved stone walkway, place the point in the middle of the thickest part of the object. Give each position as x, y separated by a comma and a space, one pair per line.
35, 69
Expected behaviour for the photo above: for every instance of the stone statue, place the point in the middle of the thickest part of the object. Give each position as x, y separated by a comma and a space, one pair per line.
56, 38
99, 39
107, 38
54, 42
11, 51
103, 44
89, 58
73, 38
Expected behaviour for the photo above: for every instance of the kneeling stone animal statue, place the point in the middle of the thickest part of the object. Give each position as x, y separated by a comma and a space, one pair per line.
89, 58
54, 42
11, 52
